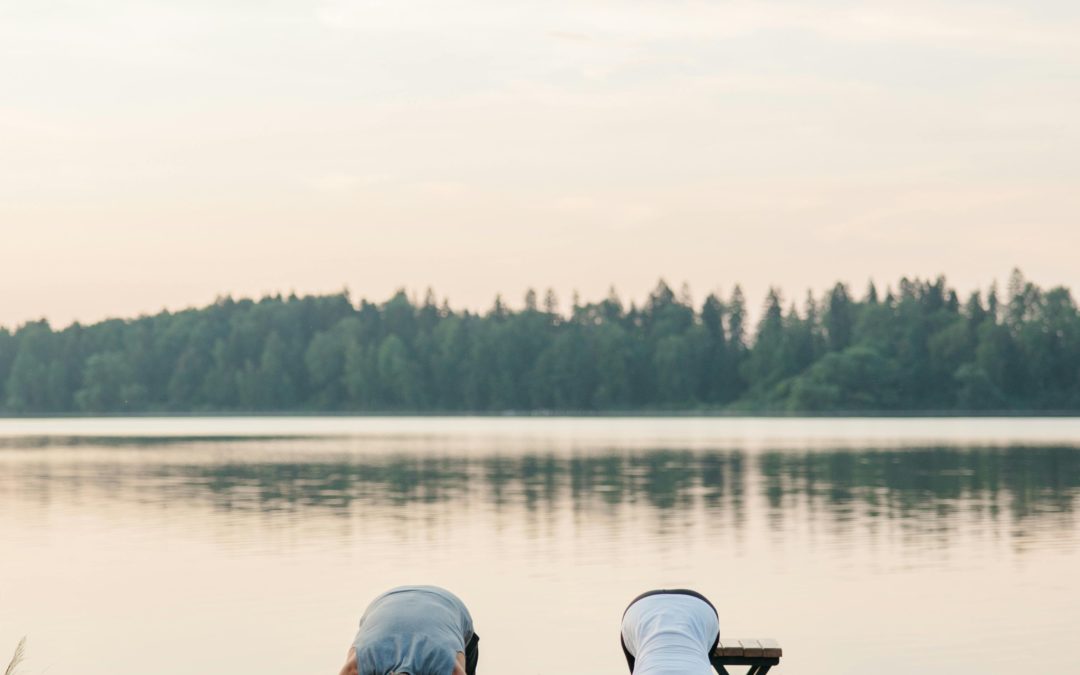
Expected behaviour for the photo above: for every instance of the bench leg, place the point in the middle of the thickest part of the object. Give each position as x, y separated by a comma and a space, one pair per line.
755, 669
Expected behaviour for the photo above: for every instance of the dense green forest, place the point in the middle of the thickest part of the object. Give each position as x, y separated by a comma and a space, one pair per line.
917, 347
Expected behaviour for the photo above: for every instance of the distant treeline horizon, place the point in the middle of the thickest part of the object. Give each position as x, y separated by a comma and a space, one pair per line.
915, 347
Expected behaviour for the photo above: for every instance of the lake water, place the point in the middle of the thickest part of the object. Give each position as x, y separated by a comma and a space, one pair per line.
181, 546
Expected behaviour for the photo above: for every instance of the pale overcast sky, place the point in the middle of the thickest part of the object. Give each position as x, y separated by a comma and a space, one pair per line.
158, 154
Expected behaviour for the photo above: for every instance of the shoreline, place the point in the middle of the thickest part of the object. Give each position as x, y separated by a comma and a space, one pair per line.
568, 414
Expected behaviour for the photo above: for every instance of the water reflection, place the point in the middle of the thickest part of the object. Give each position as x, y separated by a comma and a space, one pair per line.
929, 490
1028, 481
118, 547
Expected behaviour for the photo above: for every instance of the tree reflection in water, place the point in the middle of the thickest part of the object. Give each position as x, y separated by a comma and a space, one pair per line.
929, 490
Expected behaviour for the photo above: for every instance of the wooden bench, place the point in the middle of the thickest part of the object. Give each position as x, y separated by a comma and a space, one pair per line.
760, 654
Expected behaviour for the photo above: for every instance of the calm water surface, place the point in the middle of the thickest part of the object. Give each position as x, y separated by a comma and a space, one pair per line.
252, 545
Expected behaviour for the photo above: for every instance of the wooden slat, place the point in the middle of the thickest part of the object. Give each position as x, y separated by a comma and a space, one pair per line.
729, 647
770, 648
750, 647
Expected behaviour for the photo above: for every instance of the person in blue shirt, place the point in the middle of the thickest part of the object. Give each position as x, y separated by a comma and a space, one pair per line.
670, 632
414, 630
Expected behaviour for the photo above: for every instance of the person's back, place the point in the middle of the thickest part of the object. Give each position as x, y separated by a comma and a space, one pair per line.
669, 633
419, 630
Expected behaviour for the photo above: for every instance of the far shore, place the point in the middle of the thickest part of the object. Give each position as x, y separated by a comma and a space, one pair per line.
567, 414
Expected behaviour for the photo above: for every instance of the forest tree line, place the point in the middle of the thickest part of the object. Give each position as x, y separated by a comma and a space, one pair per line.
915, 347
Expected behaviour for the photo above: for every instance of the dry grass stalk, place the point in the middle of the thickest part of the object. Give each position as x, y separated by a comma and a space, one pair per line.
17, 658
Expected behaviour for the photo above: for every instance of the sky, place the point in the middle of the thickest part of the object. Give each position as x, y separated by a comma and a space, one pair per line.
159, 154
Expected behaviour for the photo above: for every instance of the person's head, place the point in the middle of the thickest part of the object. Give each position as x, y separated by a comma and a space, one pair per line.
351, 667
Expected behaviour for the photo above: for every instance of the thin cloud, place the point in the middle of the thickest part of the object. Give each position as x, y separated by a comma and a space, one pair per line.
570, 35
344, 182
654, 21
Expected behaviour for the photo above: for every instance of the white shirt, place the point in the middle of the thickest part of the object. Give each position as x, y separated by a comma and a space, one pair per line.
670, 634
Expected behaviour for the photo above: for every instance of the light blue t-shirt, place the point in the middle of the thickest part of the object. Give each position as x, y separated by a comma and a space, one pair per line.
670, 634
412, 629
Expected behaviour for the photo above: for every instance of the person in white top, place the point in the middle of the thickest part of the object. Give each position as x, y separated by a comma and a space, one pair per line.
670, 632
